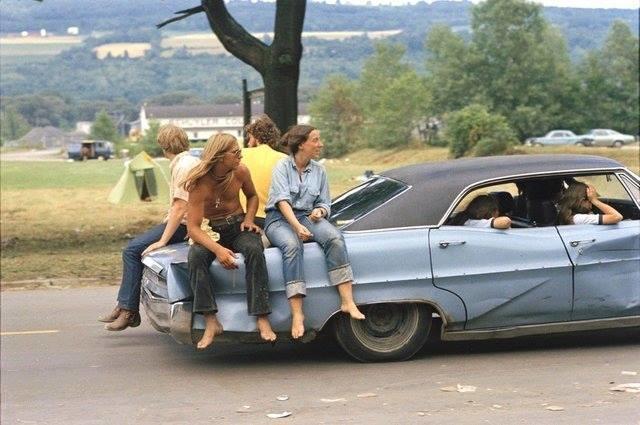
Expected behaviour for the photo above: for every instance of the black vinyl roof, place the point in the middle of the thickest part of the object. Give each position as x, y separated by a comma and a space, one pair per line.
434, 186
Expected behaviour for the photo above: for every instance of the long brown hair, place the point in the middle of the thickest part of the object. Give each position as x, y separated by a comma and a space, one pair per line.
215, 149
572, 202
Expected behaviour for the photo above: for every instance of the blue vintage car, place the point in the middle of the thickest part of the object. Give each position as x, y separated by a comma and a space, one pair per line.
414, 270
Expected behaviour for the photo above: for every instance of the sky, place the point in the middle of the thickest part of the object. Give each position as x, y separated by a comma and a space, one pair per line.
589, 4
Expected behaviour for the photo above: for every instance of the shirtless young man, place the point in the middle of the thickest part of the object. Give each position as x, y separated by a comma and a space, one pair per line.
214, 187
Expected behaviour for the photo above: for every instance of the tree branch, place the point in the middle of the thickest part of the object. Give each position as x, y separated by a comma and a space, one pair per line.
238, 41
185, 14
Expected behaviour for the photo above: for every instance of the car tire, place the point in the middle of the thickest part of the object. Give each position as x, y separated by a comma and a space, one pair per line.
581, 144
390, 332
617, 144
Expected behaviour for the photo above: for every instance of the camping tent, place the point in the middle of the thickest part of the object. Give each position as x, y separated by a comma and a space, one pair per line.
142, 179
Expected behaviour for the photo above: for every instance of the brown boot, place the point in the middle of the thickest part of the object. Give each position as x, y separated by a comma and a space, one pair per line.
108, 318
127, 318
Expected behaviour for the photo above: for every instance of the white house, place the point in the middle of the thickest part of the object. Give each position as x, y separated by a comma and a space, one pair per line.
203, 121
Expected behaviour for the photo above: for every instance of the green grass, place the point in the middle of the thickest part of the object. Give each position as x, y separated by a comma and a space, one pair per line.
59, 175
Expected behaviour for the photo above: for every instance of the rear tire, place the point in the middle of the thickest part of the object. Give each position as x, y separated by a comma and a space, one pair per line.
390, 332
617, 144
581, 144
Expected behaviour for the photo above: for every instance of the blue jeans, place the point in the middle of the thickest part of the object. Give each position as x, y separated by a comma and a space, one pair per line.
129, 294
330, 239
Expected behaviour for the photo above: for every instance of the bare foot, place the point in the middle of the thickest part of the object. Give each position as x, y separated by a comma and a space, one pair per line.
297, 326
266, 333
212, 329
352, 310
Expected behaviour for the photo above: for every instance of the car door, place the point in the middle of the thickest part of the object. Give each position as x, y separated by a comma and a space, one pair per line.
504, 277
606, 257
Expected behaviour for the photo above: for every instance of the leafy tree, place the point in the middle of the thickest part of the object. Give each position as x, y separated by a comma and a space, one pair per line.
473, 130
176, 98
610, 87
149, 142
450, 80
336, 113
392, 97
104, 129
12, 125
519, 61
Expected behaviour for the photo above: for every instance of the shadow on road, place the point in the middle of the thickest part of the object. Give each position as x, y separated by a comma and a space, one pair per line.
325, 350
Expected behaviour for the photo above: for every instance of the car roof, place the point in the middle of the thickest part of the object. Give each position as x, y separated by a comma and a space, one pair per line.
434, 186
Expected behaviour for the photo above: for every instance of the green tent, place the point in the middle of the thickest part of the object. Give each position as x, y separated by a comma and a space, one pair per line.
142, 180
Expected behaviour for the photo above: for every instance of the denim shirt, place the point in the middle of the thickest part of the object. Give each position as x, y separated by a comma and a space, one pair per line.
303, 196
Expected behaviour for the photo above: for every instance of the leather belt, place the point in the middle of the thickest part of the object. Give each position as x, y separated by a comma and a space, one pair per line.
227, 221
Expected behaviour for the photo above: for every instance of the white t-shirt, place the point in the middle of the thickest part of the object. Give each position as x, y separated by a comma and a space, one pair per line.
485, 222
180, 167
587, 219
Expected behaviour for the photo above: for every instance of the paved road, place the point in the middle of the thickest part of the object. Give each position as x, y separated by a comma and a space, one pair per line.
80, 374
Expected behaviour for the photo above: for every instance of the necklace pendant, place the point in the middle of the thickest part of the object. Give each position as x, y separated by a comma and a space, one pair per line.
217, 205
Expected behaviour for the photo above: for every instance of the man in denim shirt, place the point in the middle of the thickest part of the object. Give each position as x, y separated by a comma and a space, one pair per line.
298, 205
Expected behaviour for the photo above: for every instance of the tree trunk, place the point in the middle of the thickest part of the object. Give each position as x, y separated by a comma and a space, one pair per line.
278, 64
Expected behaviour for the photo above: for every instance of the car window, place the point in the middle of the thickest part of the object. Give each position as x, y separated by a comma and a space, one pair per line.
632, 186
364, 198
600, 133
607, 185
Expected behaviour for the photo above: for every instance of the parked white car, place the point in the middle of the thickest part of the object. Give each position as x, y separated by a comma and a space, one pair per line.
606, 137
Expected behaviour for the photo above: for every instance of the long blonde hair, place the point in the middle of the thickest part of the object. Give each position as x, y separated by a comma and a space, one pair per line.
215, 149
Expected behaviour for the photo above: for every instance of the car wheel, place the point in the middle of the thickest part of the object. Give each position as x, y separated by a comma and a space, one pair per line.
537, 145
390, 332
580, 144
617, 144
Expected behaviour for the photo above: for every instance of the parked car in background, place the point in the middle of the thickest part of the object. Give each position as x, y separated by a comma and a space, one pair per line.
90, 149
606, 137
559, 137
414, 269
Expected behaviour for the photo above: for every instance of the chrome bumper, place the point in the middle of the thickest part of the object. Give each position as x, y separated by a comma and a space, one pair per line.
174, 319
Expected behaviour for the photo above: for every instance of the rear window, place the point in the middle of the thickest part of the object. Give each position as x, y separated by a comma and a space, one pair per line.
362, 199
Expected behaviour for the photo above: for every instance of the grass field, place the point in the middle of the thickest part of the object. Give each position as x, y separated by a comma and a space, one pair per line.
56, 221
28, 49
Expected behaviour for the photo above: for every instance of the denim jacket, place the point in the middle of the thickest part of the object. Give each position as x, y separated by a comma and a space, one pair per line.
312, 192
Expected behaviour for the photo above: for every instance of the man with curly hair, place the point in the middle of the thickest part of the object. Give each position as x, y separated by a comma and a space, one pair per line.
260, 157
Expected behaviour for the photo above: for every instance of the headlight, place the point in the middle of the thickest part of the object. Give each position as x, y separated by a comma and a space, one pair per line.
148, 261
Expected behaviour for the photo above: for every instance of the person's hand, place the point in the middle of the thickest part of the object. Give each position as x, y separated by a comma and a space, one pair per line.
316, 214
303, 233
153, 247
591, 193
227, 258
249, 226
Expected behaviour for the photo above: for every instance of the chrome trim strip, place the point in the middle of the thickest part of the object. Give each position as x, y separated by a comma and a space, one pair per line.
180, 320
546, 328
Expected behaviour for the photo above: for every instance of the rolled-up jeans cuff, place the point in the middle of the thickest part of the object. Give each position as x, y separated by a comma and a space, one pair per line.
340, 275
295, 288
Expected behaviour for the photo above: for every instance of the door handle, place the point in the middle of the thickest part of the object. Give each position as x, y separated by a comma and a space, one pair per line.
444, 244
584, 241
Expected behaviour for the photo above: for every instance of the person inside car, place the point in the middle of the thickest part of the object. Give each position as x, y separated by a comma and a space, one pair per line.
482, 211
577, 203
297, 211
214, 187
175, 145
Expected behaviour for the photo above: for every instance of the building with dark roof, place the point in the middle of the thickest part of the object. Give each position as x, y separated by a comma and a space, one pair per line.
203, 121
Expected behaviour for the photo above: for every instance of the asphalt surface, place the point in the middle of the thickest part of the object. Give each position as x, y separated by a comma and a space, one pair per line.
60, 367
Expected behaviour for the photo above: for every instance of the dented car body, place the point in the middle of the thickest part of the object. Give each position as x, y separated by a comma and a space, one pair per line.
410, 265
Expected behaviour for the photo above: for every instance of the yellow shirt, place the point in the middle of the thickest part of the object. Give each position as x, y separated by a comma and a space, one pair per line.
260, 162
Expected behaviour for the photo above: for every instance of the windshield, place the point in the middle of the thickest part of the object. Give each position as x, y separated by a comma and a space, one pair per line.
364, 198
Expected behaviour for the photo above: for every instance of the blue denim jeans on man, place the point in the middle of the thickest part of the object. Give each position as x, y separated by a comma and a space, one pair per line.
129, 294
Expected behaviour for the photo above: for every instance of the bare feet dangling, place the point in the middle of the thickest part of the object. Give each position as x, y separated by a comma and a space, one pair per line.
352, 310
212, 329
264, 327
297, 326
